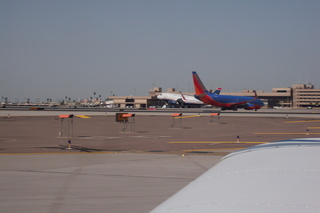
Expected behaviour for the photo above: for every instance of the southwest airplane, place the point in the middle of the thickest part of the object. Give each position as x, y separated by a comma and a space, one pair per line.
224, 101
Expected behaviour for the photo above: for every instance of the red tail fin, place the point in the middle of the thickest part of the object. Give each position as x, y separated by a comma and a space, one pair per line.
198, 85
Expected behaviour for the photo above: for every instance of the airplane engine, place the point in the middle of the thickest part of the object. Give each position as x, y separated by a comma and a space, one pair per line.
171, 102
180, 102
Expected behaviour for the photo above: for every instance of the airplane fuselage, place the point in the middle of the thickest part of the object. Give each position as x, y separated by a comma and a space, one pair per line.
231, 102
228, 101
174, 99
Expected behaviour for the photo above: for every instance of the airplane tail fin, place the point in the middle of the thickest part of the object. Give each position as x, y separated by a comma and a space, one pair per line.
217, 91
198, 85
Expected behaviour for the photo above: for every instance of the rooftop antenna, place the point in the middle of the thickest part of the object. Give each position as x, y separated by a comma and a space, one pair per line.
154, 83
307, 82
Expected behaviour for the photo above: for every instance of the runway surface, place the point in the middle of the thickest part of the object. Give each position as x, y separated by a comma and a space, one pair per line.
29, 131
117, 167
76, 183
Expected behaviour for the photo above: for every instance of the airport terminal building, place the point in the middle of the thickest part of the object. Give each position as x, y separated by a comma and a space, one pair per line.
296, 96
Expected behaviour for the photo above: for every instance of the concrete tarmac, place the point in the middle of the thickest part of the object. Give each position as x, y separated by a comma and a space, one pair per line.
111, 168
148, 133
117, 183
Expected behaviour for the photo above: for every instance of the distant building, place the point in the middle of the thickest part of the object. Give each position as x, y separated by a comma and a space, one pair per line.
130, 101
305, 95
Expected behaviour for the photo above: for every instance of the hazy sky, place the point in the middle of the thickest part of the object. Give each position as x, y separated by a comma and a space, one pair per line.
53, 49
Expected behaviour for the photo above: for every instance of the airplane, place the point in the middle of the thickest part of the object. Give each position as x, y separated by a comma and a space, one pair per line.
226, 102
179, 99
273, 177
182, 100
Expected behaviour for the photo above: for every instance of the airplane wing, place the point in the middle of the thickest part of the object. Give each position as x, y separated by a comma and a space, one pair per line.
274, 177
182, 96
246, 103
240, 103
187, 99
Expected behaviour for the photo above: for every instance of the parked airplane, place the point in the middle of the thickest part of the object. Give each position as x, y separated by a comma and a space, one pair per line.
179, 99
273, 177
224, 101
182, 100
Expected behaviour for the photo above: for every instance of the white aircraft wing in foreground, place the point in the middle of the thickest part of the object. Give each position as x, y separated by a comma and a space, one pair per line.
275, 177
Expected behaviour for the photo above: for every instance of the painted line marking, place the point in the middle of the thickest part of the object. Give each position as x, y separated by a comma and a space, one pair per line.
59, 153
188, 116
206, 150
215, 142
82, 116
288, 122
313, 127
287, 133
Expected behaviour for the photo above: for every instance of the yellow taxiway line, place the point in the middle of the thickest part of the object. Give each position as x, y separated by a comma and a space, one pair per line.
188, 116
288, 122
82, 116
206, 150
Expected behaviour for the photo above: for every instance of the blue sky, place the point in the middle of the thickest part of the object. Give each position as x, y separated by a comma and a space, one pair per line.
53, 49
